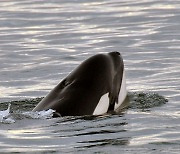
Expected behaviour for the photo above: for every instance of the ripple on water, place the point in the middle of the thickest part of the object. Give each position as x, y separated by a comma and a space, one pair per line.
41, 42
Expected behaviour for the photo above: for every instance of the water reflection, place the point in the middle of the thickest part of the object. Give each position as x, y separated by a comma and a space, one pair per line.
104, 142
27, 134
41, 42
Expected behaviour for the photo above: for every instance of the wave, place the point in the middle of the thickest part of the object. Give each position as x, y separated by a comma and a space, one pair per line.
21, 109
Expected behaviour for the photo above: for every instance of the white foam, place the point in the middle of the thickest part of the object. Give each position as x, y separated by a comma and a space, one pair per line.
4, 115
7, 118
40, 114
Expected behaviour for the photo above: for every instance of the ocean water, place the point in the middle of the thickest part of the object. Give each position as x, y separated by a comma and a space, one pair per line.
42, 41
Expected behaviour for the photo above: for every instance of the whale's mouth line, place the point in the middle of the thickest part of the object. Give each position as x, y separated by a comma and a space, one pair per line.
56, 114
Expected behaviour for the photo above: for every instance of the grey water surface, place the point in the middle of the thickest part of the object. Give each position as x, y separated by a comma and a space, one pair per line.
42, 41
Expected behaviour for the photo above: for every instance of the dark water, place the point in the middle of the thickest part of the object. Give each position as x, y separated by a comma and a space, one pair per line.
41, 42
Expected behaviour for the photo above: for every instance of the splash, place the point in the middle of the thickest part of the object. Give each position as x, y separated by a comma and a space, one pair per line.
39, 115
145, 101
5, 115
22, 109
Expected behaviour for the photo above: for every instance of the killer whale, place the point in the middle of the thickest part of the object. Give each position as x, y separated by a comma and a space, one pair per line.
95, 87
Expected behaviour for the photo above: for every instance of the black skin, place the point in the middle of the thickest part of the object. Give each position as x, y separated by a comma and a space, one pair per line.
79, 93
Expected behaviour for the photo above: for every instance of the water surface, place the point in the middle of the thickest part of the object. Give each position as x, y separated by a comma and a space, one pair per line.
41, 42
